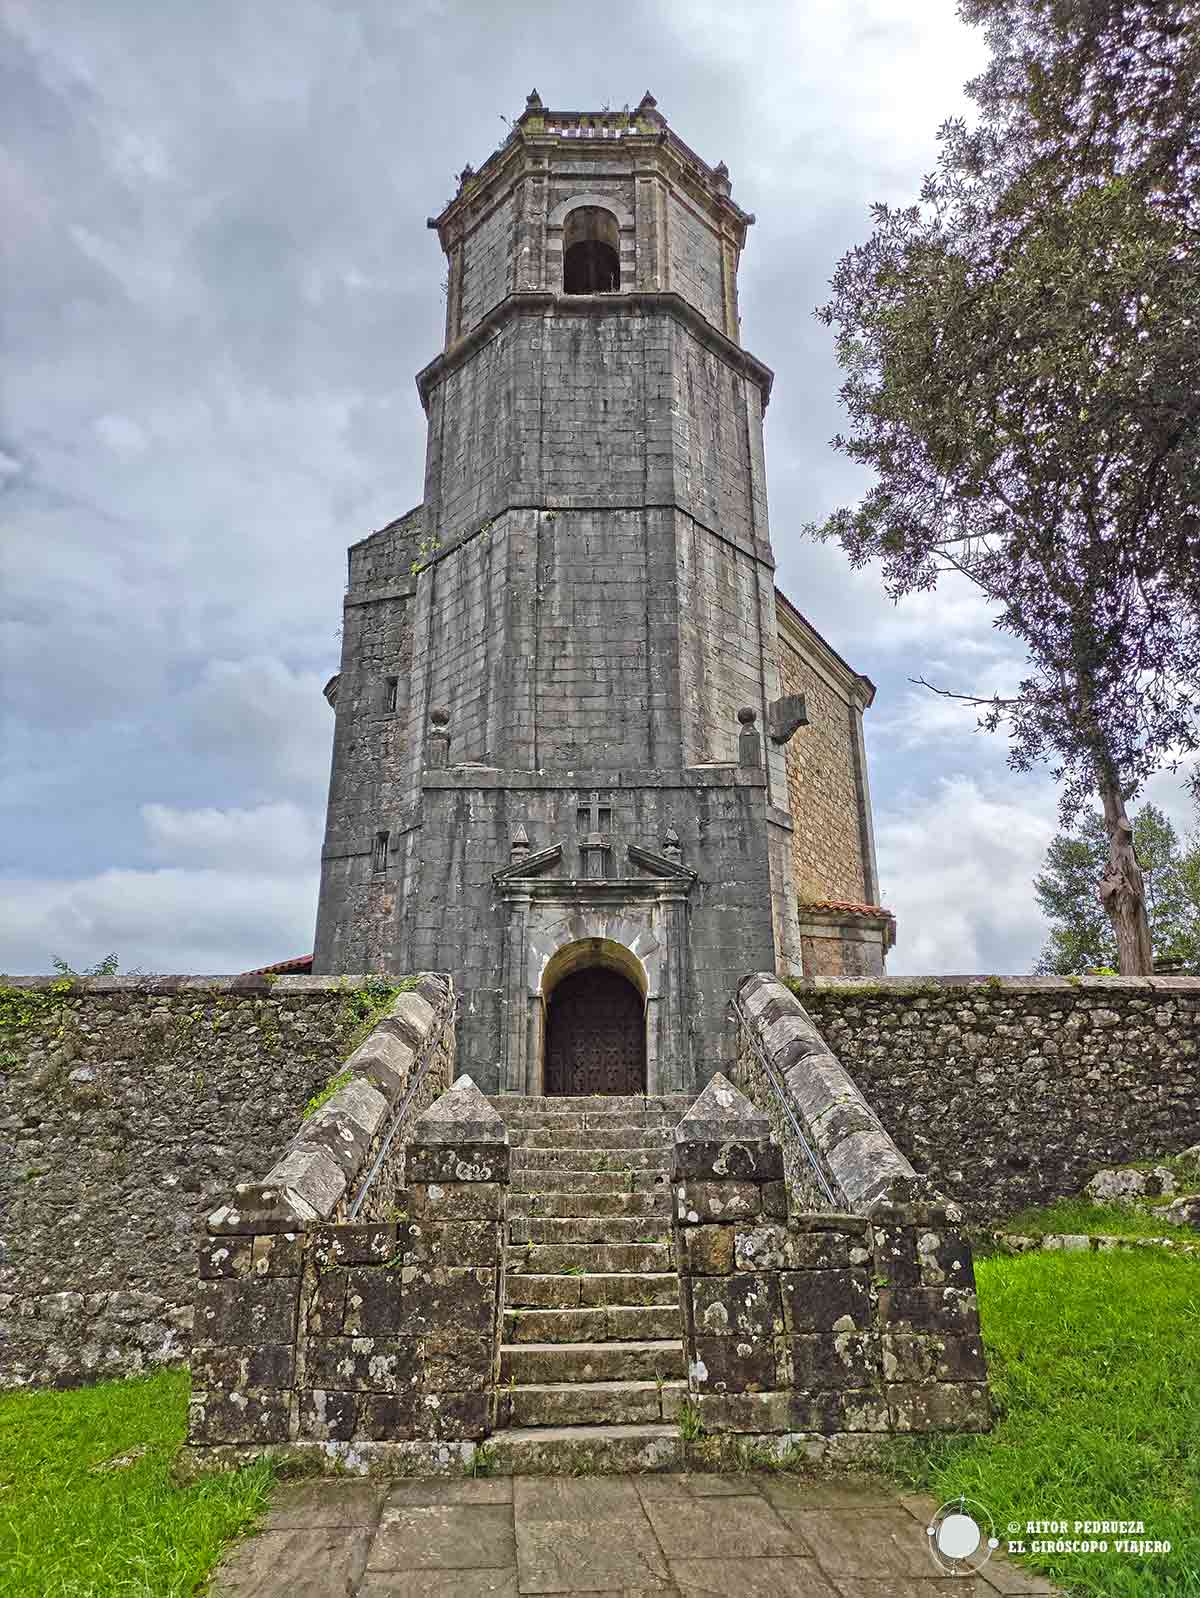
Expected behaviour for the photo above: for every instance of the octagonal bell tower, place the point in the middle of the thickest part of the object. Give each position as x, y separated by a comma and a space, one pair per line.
558, 744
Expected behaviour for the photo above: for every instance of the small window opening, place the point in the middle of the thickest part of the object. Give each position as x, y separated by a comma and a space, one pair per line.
391, 687
591, 252
381, 851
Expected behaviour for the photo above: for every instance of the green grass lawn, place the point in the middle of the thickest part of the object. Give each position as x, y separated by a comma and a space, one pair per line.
1076, 1215
69, 1531
1095, 1370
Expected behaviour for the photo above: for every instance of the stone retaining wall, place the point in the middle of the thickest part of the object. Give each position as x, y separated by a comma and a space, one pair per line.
802, 1325
345, 1336
127, 1107
1011, 1092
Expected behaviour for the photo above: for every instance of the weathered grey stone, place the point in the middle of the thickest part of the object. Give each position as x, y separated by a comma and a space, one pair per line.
309, 1175
262, 1207
722, 1114
461, 1115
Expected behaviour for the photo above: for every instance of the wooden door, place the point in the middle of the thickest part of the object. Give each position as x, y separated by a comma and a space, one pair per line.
595, 1035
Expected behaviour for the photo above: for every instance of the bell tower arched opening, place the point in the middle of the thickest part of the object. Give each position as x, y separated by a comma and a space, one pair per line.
594, 1031
591, 251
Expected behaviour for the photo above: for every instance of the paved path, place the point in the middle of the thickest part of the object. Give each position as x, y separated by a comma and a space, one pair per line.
674, 1536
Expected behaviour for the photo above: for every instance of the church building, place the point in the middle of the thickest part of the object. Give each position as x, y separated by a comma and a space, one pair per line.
588, 760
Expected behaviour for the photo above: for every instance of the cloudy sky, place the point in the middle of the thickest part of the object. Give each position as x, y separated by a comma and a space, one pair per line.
220, 286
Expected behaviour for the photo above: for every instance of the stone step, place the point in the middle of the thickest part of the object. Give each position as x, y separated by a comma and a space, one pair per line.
575, 1290
613, 1136
608, 1323
647, 1201
506, 1104
586, 1450
590, 1229
599, 1182
541, 1364
613, 1161
592, 1258
586, 1120
591, 1403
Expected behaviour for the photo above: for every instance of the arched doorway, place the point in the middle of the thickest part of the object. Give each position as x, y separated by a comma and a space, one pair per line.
594, 1038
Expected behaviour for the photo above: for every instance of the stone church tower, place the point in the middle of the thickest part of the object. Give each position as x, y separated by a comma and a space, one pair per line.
571, 765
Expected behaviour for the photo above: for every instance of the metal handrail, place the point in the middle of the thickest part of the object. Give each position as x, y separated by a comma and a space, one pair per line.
782, 1097
397, 1123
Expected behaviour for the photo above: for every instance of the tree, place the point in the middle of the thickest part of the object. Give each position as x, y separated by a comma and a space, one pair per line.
1081, 936
1022, 360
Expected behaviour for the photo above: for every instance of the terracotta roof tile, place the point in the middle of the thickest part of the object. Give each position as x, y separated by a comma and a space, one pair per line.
300, 966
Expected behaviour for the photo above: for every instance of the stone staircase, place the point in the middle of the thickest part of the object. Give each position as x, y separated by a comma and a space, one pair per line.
592, 1363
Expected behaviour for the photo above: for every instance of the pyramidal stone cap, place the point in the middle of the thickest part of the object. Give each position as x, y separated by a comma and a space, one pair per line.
461, 1115
720, 1113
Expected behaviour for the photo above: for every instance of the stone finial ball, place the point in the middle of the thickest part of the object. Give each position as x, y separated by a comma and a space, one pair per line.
439, 718
746, 716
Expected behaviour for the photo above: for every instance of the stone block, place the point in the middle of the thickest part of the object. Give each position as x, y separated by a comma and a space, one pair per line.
226, 1256
353, 1244
911, 1357
457, 1201
269, 1206
705, 1250
730, 1365
720, 1114
726, 1161
740, 1305
697, 1202
929, 1309
775, 1200
822, 1360
277, 1254
823, 1301
450, 1360
442, 1163
236, 1416
372, 1305
308, 1175
236, 1369
769, 1411
944, 1258
328, 1416
326, 1304
896, 1255
359, 1364
462, 1117
863, 1410
938, 1406
244, 1310
458, 1243
462, 1298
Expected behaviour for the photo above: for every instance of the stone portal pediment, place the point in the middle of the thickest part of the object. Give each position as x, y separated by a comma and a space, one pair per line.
532, 865
659, 865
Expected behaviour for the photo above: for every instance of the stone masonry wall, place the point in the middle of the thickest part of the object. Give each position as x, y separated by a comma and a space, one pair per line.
827, 846
126, 1106
1014, 1091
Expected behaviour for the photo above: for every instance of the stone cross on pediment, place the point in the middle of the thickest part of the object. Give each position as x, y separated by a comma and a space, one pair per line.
596, 846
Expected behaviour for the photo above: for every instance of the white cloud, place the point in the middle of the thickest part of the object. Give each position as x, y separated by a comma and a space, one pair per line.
121, 434
957, 864
270, 838
202, 922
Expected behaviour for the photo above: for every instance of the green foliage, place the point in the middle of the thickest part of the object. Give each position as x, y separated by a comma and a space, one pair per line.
107, 967
691, 1427
72, 1530
1022, 373
1077, 1217
334, 1085
1081, 935
363, 1006
482, 1461
1093, 1371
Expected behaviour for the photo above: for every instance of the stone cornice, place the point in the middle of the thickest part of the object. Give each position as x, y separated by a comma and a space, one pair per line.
529, 302
804, 638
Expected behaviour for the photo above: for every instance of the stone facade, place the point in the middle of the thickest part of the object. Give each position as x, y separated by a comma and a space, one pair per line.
559, 705
127, 1107
1010, 1091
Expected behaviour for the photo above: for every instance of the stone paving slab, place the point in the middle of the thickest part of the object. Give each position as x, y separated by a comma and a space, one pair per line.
670, 1535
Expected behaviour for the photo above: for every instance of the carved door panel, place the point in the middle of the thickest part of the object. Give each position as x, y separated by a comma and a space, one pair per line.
595, 1035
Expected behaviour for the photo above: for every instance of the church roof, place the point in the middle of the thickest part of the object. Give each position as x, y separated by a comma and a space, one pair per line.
299, 966
819, 638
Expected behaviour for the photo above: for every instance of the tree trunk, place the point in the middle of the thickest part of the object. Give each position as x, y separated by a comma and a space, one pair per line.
1122, 892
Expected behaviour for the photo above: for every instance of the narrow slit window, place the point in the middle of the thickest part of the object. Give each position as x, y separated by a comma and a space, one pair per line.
381, 851
391, 688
